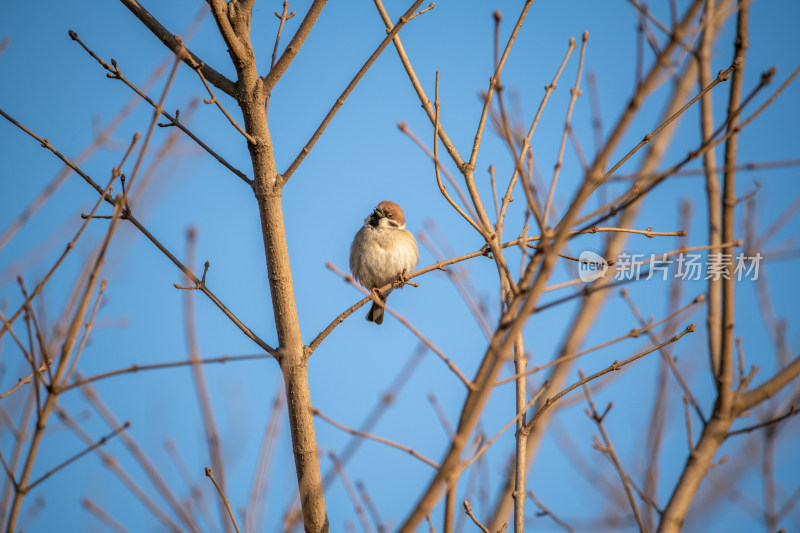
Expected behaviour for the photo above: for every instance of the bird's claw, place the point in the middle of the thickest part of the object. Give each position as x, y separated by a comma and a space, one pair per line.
401, 277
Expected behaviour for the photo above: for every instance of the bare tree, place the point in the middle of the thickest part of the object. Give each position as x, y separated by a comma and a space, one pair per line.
524, 224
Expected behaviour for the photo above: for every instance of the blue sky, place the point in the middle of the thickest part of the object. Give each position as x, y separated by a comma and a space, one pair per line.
52, 86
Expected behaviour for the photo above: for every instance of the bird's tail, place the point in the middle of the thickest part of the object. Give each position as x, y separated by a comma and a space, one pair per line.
376, 312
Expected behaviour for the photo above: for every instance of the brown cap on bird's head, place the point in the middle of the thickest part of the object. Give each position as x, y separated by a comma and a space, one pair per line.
393, 211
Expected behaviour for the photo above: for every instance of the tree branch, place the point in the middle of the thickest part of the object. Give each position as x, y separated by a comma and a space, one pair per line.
408, 15
288, 55
770, 388
218, 80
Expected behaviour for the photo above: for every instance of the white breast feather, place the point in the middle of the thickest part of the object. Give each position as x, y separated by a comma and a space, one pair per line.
379, 255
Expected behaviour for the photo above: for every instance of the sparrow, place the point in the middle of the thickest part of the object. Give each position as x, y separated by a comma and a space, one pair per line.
383, 250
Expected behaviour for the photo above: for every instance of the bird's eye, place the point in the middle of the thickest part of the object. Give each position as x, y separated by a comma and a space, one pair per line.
389, 215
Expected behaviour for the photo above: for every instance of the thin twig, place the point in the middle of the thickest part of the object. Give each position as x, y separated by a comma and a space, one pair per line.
608, 448
637, 191
340, 101
153, 473
78, 455
100, 139
11, 486
547, 512
457, 276
407, 324
104, 195
27, 353
255, 512
92, 270
114, 72
110, 462
442, 188
721, 77
149, 135
156, 366
295, 43
388, 442
440, 265
24, 381
214, 100
430, 524
71, 244
666, 356
494, 80
194, 487
724, 375
769, 388
283, 18
210, 474
386, 399
9, 472
368, 503
424, 100
646, 13
351, 492
441, 415
688, 415
468, 510
168, 38
87, 329
102, 515
520, 414
614, 366
574, 94
690, 172
293, 515
634, 267
526, 145
201, 387
403, 127
649, 233
494, 192
635, 333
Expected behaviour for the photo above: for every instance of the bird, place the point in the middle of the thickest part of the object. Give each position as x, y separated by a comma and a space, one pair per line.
382, 252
